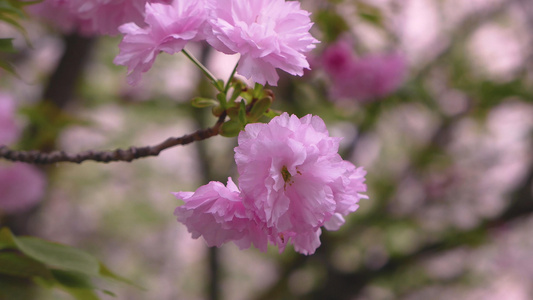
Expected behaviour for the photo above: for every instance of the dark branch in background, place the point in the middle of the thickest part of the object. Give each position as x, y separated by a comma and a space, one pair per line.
38, 157
63, 82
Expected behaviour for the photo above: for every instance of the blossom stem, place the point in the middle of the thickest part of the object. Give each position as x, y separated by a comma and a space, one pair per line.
228, 84
202, 68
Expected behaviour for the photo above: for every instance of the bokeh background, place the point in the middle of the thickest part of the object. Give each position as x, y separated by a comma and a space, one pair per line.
447, 146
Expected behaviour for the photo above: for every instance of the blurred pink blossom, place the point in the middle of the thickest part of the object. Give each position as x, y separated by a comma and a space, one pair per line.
362, 78
268, 34
170, 28
92, 16
9, 131
292, 182
338, 58
21, 187
60, 14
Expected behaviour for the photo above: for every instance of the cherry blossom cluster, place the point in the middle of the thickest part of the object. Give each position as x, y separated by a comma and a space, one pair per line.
362, 78
21, 185
292, 182
268, 34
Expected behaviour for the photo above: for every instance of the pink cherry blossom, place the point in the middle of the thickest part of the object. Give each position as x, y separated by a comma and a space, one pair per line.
22, 186
217, 213
170, 28
268, 34
292, 182
9, 131
292, 175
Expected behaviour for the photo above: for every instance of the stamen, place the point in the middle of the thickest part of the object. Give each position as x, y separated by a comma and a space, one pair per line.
285, 174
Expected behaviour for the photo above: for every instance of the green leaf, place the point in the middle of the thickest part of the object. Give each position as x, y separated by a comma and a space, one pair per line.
200, 102
220, 85
15, 288
17, 26
259, 108
9, 68
72, 279
237, 90
18, 265
221, 97
50, 264
242, 113
57, 255
370, 13
108, 274
231, 128
81, 294
109, 293
6, 239
258, 91
6, 45
272, 113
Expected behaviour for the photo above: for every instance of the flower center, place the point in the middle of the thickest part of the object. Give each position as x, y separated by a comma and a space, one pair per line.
285, 174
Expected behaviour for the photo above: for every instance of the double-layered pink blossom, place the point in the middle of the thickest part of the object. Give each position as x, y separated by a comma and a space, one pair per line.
362, 78
268, 34
292, 175
170, 28
217, 213
292, 182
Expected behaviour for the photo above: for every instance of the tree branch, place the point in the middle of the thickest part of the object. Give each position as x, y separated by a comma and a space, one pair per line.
38, 157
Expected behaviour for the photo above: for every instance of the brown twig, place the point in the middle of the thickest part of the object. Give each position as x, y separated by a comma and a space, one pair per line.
38, 157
